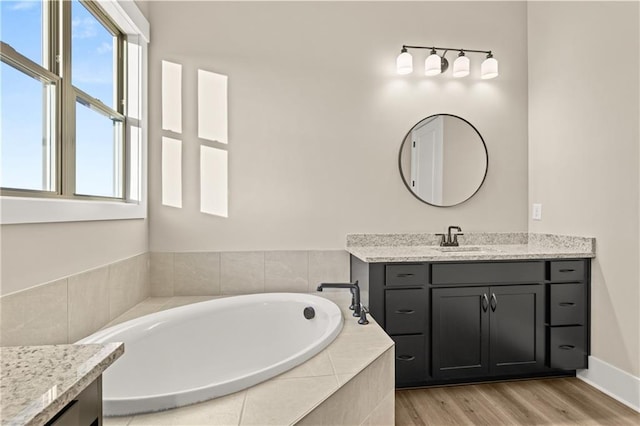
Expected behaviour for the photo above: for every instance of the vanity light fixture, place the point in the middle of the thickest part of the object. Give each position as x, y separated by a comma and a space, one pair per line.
436, 63
404, 63
461, 66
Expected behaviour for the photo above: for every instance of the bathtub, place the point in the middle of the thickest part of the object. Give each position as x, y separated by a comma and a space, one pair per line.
205, 350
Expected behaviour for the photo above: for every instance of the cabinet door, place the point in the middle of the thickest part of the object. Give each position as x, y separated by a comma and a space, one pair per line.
460, 346
517, 329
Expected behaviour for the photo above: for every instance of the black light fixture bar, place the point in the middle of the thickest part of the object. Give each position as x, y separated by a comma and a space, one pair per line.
446, 49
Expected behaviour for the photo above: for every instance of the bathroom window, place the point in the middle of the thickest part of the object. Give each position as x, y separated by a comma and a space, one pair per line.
63, 110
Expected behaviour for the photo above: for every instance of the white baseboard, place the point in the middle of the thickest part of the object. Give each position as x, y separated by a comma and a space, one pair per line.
616, 383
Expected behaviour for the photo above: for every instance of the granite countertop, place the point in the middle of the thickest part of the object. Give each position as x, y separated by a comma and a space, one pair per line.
36, 382
373, 248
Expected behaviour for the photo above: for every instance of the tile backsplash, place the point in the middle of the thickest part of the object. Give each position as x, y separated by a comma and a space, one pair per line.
69, 309
223, 273
66, 310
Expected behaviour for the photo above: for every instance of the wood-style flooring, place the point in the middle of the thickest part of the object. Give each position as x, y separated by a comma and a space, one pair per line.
565, 401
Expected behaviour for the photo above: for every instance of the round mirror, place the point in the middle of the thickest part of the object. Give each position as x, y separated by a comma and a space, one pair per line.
443, 160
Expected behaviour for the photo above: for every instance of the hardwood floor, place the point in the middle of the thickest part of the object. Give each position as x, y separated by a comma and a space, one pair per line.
565, 401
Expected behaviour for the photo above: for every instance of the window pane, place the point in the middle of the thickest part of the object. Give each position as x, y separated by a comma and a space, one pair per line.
21, 27
93, 68
27, 111
99, 147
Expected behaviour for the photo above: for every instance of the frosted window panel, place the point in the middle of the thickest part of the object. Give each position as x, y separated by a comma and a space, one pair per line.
213, 181
212, 106
171, 172
172, 96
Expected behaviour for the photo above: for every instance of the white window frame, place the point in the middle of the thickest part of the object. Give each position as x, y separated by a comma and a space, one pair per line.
17, 210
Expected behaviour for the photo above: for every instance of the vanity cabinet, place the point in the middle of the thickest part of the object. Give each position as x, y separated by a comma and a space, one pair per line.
487, 330
456, 322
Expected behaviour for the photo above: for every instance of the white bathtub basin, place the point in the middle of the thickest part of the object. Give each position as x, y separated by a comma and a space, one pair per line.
198, 352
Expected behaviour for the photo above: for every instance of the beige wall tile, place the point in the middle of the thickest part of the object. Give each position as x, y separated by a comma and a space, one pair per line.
319, 365
328, 266
385, 413
277, 402
126, 285
161, 274
242, 272
196, 274
88, 300
286, 271
37, 316
362, 398
382, 376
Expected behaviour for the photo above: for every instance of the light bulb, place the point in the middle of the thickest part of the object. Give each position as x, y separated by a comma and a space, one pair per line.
433, 64
404, 63
461, 66
489, 68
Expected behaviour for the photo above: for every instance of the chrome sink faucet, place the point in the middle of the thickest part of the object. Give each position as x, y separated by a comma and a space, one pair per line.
357, 308
448, 239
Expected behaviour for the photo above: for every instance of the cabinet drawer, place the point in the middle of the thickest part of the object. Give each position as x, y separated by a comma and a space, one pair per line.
567, 270
410, 359
406, 275
406, 311
567, 348
493, 273
566, 304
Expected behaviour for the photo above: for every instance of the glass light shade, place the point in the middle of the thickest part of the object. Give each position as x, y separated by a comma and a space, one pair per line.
404, 63
432, 65
489, 68
461, 67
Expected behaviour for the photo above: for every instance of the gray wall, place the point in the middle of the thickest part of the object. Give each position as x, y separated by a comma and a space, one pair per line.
317, 115
583, 153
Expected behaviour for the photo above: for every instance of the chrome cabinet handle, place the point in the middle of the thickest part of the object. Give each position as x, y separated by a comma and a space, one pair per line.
405, 311
485, 302
494, 302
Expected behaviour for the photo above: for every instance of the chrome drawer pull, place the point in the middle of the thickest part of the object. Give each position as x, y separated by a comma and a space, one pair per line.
564, 304
567, 270
405, 357
567, 347
404, 275
405, 311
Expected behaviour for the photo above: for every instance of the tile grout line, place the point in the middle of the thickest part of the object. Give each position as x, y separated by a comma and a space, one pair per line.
244, 402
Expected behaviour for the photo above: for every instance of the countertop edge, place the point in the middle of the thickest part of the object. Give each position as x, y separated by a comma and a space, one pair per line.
467, 257
115, 350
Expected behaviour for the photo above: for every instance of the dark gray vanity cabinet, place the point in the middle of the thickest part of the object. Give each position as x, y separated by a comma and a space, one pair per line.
568, 315
456, 322
487, 330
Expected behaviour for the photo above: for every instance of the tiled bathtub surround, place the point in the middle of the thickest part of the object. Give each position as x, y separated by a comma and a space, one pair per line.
66, 310
226, 273
351, 382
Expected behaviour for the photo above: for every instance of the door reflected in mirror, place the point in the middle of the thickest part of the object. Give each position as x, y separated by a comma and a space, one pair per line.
443, 160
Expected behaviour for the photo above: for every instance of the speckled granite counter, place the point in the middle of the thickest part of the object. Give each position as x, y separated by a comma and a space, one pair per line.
38, 381
373, 248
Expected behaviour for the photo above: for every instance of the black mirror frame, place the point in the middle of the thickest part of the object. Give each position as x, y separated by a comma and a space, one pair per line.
404, 180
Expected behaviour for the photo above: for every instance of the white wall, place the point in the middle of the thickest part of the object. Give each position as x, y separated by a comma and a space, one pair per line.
37, 253
317, 116
584, 153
